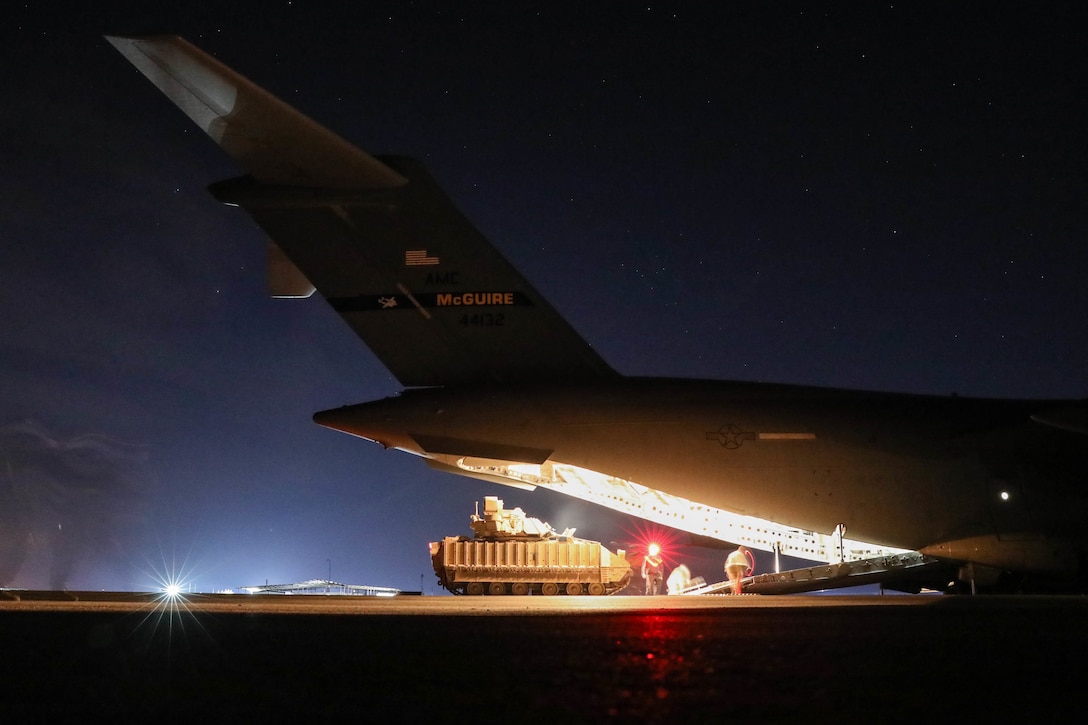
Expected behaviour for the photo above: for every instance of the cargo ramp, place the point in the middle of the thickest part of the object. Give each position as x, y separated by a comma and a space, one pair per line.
890, 569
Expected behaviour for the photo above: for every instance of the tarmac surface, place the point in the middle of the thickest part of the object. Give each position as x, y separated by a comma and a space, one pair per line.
74, 657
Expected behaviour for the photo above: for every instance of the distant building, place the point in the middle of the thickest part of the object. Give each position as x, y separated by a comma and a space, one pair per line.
323, 586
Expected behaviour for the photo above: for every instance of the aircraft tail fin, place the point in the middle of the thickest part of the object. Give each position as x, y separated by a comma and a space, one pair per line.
271, 140
434, 300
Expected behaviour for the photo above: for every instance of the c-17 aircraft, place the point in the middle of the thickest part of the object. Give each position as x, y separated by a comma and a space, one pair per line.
498, 386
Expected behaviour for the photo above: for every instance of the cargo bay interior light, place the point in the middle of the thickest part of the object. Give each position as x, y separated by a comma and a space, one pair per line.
676, 512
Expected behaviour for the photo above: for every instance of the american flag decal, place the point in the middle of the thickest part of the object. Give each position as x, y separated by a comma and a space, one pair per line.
418, 258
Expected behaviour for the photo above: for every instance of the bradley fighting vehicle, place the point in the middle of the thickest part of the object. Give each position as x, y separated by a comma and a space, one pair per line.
511, 553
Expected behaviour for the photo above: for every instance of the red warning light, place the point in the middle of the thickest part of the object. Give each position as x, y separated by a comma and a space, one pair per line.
652, 540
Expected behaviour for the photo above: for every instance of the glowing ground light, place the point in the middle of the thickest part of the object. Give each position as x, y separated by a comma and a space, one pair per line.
168, 617
171, 586
171, 577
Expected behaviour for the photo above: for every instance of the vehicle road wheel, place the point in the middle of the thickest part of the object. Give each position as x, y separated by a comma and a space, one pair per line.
596, 589
519, 588
496, 588
574, 589
549, 589
475, 588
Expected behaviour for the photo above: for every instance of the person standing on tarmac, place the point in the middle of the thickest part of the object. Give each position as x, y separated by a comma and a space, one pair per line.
737, 565
653, 570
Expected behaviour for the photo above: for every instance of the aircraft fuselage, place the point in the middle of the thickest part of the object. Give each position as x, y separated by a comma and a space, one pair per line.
908, 471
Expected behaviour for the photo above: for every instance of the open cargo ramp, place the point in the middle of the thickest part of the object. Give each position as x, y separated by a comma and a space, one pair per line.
890, 569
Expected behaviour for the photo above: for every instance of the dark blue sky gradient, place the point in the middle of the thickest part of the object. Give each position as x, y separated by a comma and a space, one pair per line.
843, 194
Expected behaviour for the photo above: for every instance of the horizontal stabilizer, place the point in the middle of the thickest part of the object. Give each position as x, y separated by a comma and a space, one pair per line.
274, 142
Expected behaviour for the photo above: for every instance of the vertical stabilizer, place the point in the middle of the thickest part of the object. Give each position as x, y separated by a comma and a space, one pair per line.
434, 300
271, 140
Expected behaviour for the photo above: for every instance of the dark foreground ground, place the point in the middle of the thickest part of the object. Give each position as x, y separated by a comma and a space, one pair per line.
747, 659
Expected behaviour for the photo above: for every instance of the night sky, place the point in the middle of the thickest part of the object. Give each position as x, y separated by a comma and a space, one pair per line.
861, 195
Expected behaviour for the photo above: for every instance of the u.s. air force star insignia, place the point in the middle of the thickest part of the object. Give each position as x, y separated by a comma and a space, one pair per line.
730, 436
